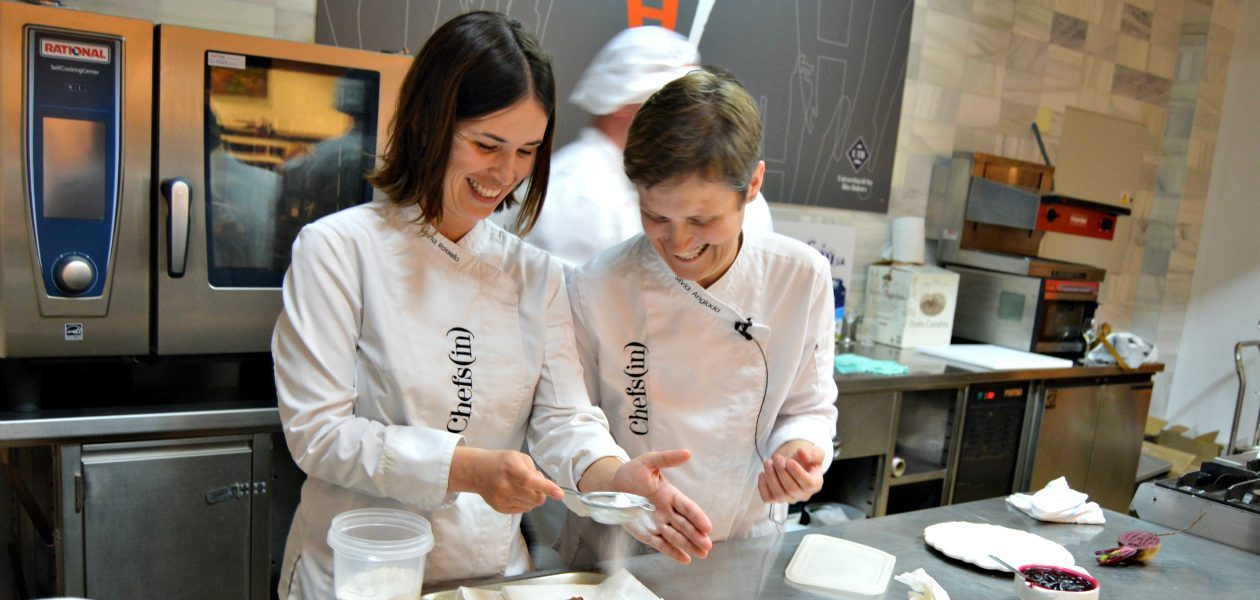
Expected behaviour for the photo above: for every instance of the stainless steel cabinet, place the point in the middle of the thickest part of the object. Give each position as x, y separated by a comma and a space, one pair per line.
864, 426
169, 519
1091, 433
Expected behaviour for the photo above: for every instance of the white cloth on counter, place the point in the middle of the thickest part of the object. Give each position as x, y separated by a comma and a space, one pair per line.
1059, 503
922, 586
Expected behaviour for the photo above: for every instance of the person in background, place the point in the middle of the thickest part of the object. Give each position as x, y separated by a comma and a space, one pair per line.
330, 177
590, 203
420, 346
242, 205
747, 382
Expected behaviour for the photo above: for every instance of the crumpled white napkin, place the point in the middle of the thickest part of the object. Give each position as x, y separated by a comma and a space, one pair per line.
922, 586
1059, 503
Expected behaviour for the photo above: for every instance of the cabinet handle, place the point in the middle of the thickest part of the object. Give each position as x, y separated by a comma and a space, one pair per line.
236, 490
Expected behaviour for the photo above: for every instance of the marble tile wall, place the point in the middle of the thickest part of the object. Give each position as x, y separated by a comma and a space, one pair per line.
982, 71
1196, 99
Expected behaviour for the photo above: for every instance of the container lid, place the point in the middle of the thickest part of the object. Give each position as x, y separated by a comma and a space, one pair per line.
830, 563
380, 534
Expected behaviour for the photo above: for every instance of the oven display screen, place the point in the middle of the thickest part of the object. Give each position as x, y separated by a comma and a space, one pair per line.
74, 169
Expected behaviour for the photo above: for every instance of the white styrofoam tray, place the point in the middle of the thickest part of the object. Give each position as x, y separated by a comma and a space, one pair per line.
832, 564
993, 357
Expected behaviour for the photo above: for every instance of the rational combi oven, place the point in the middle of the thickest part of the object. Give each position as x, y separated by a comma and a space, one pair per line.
152, 178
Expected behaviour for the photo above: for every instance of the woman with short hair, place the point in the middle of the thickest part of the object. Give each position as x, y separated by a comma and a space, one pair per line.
700, 334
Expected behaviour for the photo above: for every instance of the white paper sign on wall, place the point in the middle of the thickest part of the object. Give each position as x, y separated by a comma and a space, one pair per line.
836, 242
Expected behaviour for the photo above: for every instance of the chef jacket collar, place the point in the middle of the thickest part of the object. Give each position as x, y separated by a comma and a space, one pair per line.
460, 253
694, 294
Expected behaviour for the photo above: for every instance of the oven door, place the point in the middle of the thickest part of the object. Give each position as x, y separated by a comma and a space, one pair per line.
255, 138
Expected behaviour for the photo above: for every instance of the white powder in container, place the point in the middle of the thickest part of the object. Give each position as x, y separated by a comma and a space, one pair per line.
385, 583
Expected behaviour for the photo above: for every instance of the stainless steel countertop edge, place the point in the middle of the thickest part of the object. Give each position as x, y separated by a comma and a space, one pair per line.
40, 431
925, 373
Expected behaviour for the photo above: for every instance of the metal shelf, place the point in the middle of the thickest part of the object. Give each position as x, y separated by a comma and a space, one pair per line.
910, 478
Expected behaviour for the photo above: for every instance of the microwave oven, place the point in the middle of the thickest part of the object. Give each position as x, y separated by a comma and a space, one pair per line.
152, 178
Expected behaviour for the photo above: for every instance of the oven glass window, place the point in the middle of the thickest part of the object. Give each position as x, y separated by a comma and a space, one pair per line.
1064, 320
74, 169
286, 143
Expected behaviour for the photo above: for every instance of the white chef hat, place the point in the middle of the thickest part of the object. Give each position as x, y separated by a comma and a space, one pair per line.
632, 66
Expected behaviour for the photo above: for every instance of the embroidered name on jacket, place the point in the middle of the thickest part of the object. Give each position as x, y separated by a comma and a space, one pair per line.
462, 357
636, 370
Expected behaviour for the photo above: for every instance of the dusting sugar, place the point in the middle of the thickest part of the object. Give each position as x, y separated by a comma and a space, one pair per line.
385, 583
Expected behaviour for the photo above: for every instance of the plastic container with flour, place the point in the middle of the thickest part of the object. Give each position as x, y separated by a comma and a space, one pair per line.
378, 554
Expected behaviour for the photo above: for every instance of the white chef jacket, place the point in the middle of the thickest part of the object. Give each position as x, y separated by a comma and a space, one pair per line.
393, 348
592, 205
664, 359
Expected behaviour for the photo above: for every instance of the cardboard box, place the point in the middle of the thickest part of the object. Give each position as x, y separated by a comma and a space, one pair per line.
910, 305
1179, 461
1203, 447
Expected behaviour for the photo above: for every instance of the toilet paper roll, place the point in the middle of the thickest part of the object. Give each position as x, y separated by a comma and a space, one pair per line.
898, 466
905, 240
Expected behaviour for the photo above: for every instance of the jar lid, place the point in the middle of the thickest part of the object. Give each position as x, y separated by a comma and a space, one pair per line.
380, 534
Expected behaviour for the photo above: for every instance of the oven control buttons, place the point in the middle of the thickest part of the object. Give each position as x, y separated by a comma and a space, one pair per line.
74, 274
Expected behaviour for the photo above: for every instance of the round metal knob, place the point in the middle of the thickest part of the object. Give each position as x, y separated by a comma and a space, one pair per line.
74, 274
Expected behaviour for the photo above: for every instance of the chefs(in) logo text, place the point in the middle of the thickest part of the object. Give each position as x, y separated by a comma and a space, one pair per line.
461, 355
636, 370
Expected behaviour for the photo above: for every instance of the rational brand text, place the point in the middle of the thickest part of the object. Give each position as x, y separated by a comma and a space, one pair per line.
74, 51
461, 355
636, 371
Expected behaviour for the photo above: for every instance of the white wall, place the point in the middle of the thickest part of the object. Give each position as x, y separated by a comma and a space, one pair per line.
1225, 295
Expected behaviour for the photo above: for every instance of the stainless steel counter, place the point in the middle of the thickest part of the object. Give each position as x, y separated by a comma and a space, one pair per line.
1186, 567
224, 410
931, 372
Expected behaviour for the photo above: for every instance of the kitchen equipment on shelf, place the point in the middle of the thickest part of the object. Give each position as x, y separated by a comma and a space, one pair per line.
990, 214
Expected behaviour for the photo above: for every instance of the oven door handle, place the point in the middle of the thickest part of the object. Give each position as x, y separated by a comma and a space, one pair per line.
178, 194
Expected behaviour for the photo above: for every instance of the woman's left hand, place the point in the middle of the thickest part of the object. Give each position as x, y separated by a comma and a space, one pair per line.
792, 474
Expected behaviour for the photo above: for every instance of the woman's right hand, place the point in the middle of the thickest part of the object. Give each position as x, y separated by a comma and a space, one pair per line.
506, 479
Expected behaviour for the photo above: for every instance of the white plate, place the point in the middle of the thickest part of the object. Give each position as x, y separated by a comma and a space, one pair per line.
974, 542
